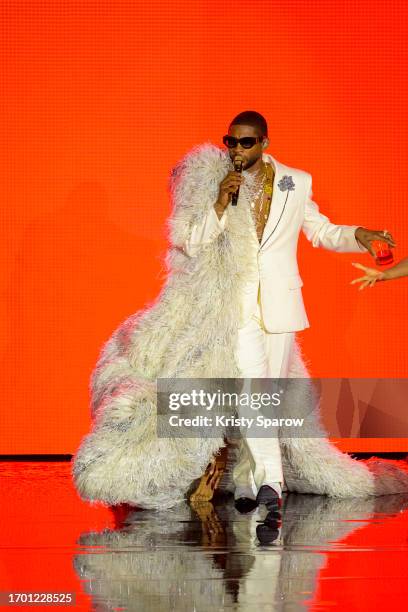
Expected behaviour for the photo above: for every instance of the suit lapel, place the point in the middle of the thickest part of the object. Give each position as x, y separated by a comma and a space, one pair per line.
278, 203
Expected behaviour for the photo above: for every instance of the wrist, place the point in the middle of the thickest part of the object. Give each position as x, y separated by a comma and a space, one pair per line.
220, 205
219, 210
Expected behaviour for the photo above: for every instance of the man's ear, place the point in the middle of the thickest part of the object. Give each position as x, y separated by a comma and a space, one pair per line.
265, 143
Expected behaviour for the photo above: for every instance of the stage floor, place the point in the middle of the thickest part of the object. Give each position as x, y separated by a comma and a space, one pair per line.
323, 554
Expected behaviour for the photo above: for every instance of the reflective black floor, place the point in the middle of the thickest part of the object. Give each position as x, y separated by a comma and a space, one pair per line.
326, 554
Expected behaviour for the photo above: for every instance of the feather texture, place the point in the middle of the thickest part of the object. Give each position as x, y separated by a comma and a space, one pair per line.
188, 332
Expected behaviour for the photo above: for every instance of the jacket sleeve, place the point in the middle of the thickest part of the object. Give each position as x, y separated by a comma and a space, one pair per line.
204, 232
322, 233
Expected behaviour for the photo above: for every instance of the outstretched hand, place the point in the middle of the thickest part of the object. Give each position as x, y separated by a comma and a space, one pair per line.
371, 276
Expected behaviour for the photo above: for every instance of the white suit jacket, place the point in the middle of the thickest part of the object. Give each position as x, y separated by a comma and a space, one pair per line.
278, 275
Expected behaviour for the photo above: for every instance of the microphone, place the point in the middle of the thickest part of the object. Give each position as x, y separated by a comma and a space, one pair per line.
238, 168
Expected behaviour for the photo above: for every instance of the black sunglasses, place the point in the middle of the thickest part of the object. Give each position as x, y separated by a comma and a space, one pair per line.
247, 141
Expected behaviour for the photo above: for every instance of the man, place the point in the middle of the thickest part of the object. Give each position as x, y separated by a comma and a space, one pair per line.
229, 309
273, 307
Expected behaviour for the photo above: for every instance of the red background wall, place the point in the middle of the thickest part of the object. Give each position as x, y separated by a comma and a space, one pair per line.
101, 100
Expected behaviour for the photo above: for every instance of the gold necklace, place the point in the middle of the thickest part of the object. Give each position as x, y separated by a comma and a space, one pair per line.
266, 188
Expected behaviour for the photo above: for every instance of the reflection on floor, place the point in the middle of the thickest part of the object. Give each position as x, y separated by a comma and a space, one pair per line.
323, 554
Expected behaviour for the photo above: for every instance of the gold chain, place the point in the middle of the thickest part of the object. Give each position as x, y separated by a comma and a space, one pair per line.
267, 190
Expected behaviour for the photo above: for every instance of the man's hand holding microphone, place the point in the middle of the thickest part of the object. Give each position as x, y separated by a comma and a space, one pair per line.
229, 185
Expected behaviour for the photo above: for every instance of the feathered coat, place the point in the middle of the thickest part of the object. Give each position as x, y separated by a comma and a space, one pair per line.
189, 332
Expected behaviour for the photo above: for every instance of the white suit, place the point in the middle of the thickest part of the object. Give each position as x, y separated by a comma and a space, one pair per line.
272, 302
278, 274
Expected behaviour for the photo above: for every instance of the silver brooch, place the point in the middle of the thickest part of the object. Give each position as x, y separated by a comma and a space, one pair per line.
286, 183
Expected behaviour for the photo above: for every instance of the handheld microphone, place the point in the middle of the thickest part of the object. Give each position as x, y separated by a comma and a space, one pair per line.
238, 168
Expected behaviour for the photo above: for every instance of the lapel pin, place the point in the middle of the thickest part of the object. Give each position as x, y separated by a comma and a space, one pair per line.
286, 183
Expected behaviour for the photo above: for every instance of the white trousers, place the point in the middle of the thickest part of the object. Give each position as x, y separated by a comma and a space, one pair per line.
260, 354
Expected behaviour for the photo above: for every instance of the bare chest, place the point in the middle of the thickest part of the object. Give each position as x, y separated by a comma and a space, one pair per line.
261, 203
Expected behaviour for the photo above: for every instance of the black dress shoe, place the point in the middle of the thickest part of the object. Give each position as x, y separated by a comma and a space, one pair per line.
269, 497
245, 504
267, 532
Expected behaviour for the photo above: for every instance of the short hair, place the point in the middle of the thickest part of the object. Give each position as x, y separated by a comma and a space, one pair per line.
254, 119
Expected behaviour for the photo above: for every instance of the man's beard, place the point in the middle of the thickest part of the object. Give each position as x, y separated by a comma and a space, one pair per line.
250, 163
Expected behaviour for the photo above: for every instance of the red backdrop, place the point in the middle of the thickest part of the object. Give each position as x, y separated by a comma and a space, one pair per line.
102, 98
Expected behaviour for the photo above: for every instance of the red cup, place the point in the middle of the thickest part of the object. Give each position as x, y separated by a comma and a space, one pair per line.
383, 253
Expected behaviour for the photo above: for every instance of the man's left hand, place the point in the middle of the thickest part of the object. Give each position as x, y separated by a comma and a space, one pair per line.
366, 236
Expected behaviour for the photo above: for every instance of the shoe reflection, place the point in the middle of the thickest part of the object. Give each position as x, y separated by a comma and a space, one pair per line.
209, 556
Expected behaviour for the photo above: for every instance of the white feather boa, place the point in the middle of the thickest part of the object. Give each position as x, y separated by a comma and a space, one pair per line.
191, 333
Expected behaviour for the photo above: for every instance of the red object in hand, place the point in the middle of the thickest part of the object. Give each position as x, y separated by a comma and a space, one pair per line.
383, 253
